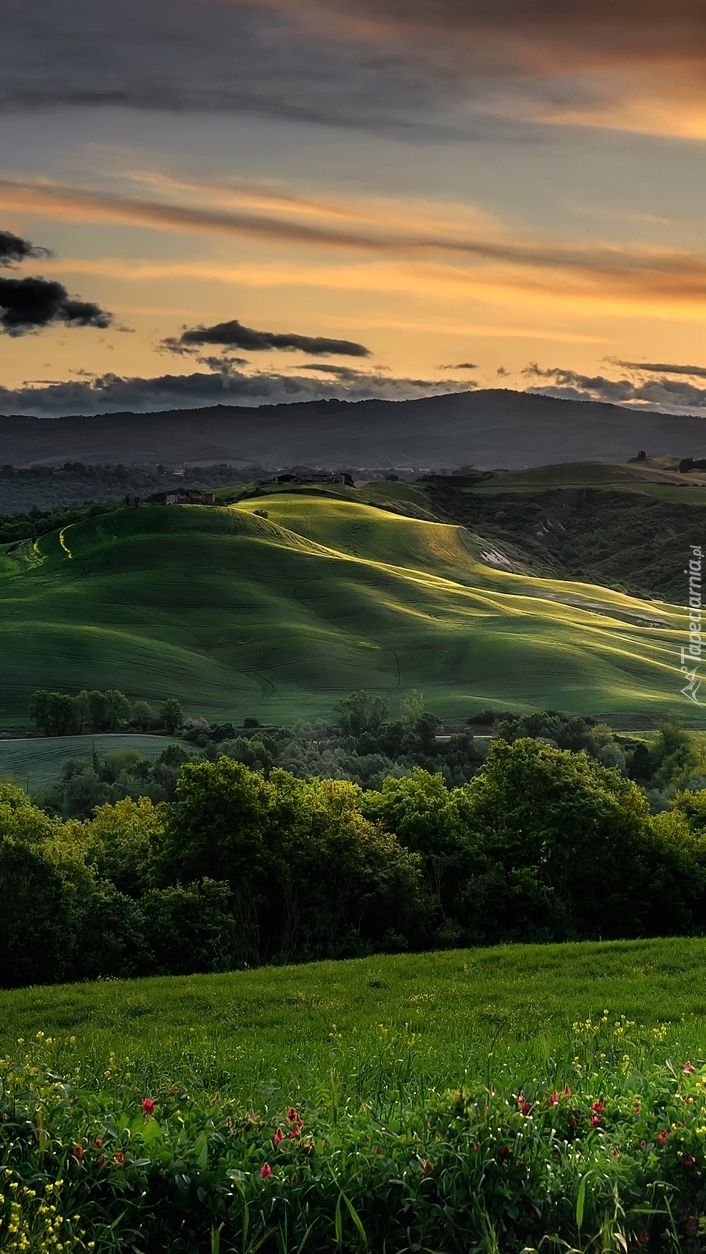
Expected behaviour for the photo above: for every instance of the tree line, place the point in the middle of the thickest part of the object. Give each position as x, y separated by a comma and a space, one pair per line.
247, 866
60, 714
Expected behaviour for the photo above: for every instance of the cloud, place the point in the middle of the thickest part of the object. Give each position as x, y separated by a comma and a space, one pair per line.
13, 249
31, 304
592, 271
667, 394
650, 367
234, 335
366, 63
460, 365
111, 392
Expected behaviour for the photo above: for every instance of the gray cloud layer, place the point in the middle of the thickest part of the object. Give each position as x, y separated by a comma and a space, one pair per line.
234, 335
350, 62
665, 393
111, 392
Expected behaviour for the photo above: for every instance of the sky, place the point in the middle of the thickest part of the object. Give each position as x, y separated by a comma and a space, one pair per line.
207, 201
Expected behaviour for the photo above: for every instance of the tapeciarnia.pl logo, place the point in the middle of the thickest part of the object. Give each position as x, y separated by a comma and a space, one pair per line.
691, 656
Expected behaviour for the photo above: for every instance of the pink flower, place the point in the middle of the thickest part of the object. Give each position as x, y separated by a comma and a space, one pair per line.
595, 1120
294, 1132
662, 1138
643, 1237
78, 1153
524, 1105
566, 1091
688, 1068
98, 1142
119, 1159
278, 1136
597, 1107
293, 1115
265, 1171
688, 1161
148, 1106
554, 1098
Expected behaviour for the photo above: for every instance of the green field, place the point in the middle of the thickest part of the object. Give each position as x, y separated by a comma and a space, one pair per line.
484, 1100
36, 763
236, 614
288, 1026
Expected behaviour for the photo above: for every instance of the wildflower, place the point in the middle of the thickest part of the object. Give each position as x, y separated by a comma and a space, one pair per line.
294, 1132
688, 1068
524, 1105
148, 1106
595, 1120
229, 1123
643, 1237
643, 1144
119, 1159
265, 1171
616, 1153
566, 1091
688, 1161
278, 1136
662, 1137
597, 1107
554, 1098
427, 1168
505, 1151
78, 1152
98, 1143
216, 1097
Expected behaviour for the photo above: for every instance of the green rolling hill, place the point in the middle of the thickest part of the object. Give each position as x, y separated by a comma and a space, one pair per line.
238, 614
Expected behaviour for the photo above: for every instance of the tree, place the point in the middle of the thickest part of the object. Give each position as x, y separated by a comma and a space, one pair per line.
54, 713
118, 708
142, 715
171, 715
360, 713
189, 929
35, 920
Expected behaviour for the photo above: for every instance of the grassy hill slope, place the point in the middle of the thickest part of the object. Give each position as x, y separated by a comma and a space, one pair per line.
239, 614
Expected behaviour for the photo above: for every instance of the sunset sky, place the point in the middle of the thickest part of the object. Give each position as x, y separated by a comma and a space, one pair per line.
283, 199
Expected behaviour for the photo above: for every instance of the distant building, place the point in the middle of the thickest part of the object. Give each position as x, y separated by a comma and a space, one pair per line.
190, 498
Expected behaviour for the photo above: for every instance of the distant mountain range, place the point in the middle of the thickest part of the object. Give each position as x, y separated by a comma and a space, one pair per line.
488, 429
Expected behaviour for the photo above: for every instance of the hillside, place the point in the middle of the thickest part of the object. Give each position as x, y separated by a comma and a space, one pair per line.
494, 427
238, 614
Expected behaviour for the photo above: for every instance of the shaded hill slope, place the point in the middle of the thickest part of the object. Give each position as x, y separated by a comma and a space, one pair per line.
485, 428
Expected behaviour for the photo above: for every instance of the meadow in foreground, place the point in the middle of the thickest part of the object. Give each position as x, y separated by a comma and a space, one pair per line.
480, 1100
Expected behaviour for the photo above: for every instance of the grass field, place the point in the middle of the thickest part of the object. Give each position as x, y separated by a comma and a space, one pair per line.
236, 614
486, 1101
36, 763
437, 1014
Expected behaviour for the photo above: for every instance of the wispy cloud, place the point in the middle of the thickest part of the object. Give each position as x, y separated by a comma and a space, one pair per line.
591, 271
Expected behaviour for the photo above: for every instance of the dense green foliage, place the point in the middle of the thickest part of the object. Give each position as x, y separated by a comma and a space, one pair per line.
460, 1102
208, 864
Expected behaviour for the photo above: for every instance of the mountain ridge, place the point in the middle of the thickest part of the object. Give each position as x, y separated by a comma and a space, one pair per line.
487, 428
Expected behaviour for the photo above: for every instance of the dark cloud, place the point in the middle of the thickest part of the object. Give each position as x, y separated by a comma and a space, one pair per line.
13, 249
650, 367
668, 394
111, 392
33, 303
234, 335
460, 365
